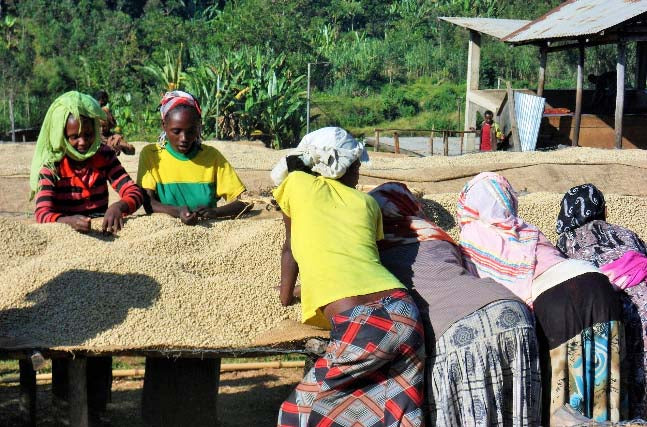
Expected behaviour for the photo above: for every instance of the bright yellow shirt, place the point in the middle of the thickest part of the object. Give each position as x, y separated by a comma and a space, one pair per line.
196, 179
334, 232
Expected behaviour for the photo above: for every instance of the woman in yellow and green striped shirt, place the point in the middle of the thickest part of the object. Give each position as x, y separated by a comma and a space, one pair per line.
181, 176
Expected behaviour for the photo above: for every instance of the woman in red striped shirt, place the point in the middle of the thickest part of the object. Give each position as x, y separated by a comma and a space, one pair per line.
71, 168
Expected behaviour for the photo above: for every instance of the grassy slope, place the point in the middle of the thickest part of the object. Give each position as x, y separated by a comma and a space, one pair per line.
436, 104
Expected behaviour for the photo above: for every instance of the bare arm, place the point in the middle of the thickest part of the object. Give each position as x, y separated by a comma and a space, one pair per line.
229, 210
289, 266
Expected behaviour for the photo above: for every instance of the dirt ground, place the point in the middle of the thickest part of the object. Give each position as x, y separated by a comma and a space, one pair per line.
246, 398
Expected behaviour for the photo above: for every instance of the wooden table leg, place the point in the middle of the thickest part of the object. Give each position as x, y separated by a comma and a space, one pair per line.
176, 390
78, 393
27, 392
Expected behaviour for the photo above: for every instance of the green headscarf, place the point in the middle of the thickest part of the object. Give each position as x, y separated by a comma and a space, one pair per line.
52, 145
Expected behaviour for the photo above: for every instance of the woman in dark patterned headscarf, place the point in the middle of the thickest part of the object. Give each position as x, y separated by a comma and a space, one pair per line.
621, 255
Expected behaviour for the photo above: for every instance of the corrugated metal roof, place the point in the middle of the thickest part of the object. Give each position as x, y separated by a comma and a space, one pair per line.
577, 18
498, 28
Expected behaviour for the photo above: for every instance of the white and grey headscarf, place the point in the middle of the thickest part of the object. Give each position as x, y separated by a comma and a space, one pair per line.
328, 152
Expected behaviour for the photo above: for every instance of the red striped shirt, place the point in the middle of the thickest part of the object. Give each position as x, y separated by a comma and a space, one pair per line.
82, 188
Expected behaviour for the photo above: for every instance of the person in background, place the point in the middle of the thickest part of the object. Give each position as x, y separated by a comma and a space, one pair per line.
108, 137
372, 371
585, 234
578, 313
490, 132
69, 175
482, 365
181, 176
71, 169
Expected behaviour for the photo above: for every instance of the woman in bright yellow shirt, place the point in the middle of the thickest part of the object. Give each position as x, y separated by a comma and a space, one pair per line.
373, 366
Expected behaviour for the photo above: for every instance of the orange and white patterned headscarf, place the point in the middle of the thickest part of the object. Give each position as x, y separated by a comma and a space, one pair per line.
172, 99
404, 220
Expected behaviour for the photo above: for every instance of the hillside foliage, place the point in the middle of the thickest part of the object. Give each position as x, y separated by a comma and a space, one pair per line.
377, 62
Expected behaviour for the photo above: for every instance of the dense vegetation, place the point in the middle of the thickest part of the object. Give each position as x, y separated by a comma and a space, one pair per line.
379, 62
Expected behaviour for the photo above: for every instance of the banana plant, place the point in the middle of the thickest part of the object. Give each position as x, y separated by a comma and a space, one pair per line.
170, 74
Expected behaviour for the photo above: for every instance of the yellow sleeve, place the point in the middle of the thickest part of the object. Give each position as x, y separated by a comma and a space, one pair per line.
228, 184
145, 177
282, 195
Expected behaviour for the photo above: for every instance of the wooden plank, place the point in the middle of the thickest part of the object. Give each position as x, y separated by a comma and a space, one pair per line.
78, 392
27, 392
620, 92
493, 140
516, 143
473, 60
473, 72
445, 144
396, 142
543, 56
575, 140
178, 390
377, 140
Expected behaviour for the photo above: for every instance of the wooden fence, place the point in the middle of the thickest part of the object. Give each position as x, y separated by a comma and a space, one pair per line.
445, 133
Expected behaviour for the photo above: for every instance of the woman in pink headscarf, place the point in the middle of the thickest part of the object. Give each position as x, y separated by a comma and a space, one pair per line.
579, 315
482, 365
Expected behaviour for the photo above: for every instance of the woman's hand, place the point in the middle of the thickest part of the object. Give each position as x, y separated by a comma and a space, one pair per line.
79, 223
113, 220
188, 217
206, 212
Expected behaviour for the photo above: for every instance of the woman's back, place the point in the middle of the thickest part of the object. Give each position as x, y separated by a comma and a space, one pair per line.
435, 270
334, 230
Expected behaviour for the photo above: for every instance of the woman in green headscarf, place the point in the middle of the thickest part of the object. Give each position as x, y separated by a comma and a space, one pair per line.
70, 168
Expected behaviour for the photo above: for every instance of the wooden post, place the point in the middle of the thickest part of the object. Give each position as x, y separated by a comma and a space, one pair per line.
473, 70
12, 118
376, 147
493, 140
396, 142
78, 392
641, 65
462, 139
27, 392
431, 143
516, 143
575, 141
543, 56
445, 143
620, 91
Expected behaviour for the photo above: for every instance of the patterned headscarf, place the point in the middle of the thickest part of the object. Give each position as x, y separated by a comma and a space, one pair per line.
328, 151
501, 245
172, 99
52, 145
403, 217
580, 205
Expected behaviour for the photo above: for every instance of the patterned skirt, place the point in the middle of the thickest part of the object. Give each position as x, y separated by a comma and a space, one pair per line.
581, 339
485, 370
371, 374
635, 318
